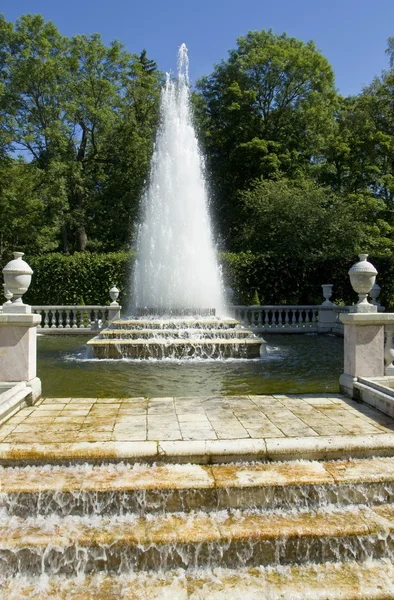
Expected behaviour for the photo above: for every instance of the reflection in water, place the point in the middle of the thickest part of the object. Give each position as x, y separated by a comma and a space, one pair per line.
294, 364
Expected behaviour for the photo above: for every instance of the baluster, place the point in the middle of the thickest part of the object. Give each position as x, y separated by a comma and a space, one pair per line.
287, 319
53, 316
74, 319
96, 319
67, 319
388, 348
260, 318
81, 318
266, 319
60, 320
46, 319
39, 313
307, 317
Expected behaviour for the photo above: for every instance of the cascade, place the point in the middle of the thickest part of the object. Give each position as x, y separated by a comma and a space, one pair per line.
304, 530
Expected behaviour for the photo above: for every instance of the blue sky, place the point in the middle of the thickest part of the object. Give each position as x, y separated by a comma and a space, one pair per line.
352, 34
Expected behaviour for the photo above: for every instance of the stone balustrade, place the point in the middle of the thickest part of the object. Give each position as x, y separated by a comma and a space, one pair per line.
287, 318
266, 318
75, 319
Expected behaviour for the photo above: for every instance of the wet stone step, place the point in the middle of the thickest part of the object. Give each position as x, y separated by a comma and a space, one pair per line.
372, 580
73, 545
175, 348
187, 333
121, 488
174, 323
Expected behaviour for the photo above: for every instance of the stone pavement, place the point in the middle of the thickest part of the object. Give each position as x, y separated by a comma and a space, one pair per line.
70, 420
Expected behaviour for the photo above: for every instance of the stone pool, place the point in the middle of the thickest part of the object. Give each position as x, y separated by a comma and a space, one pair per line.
294, 364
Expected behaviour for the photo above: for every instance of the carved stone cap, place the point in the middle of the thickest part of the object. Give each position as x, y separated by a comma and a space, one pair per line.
363, 266
18, 265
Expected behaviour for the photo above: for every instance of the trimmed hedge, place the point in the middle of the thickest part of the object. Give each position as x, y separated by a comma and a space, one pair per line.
86, 278
80, 278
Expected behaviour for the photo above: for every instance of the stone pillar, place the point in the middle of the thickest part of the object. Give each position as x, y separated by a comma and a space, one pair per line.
18, 349
327, 318
114, 308
327, 314
113, 313
363, 348
18, 329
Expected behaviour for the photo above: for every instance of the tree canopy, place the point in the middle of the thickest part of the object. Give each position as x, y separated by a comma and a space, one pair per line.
295, 169
83, 116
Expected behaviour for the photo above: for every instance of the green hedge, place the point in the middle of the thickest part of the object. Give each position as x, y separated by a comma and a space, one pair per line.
81, 278
85, 278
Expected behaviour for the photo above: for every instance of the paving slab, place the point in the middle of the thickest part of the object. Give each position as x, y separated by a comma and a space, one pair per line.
269, 427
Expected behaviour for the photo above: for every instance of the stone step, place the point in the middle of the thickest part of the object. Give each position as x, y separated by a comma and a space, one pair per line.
372, 580
203, 348
175, 323
183, 334
69, 545
116, 489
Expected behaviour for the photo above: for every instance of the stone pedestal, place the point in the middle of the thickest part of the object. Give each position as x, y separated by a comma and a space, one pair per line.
327, 318
18, 349
363, 348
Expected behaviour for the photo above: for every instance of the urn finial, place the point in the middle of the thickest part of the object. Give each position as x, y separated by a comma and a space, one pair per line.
362, 277
17, 278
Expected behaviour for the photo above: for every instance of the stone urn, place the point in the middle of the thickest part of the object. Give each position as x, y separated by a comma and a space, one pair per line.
362, 277
374, 293
17, 277
327, 293
114, 293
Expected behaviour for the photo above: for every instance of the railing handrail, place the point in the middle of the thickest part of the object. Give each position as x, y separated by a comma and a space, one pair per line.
70, 307
271, 306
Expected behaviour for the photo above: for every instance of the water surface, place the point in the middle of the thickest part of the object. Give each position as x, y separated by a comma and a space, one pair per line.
307, 363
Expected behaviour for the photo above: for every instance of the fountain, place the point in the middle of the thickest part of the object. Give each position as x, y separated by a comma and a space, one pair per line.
178, 298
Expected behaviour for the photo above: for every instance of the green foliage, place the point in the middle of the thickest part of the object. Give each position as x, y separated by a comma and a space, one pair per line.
303, 220
302, 179
263, 113
255, 299
83, 278
84, 114
86, 278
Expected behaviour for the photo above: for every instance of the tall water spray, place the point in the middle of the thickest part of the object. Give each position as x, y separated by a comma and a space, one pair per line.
176, 267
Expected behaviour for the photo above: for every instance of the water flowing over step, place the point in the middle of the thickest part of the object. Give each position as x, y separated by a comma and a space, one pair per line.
70, 545
372, 580
227, 527
176, 338
141, 489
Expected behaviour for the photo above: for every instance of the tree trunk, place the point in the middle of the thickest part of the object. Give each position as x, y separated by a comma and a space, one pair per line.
65, 247
82, 239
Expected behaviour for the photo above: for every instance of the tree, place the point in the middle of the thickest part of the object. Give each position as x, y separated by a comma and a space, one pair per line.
302, 220
263, 112
27, 209
65, 104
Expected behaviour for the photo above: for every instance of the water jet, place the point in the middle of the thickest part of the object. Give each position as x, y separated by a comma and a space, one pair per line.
176, 277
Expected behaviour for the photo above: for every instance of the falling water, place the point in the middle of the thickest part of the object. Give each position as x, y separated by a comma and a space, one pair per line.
176, 267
